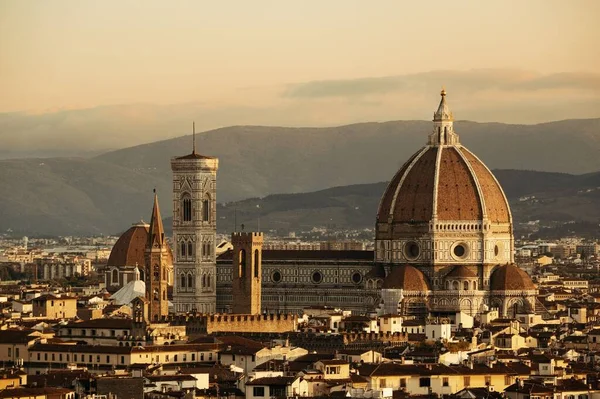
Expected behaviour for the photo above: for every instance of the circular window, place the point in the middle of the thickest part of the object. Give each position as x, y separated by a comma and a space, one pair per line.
460, 250
356, 278
276, 276
412, 250
316, 277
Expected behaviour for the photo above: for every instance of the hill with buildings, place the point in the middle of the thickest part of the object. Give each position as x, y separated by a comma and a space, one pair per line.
106, 193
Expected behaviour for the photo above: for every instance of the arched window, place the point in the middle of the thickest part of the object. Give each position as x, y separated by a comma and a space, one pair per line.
155, 292
115, 276
156, 273
466, 285
447, 285
190, 280
474, 285
208, 280
186, 208
203, 280
256, 262
206, 209
242, 263
190, 249
183, 252
182, 280
455, 285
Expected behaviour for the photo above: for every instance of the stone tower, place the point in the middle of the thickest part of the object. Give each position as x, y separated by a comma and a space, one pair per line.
156, 259
247, 272
194, 232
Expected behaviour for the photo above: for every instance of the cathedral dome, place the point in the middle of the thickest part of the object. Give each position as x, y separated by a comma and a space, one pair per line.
443, 181
510, 277
407, 278
129, 250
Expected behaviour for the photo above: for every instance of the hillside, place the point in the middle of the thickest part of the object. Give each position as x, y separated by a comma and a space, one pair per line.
107, 193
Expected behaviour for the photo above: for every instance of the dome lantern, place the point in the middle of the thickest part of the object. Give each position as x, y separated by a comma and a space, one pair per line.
443, 125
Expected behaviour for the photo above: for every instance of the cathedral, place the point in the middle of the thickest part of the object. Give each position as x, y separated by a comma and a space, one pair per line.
444, 233
443, 245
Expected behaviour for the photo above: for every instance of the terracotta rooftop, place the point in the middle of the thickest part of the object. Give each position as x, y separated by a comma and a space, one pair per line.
443, 181
406, 277
510, 277
129, 250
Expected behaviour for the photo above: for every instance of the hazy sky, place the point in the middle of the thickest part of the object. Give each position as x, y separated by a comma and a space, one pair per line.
301, 62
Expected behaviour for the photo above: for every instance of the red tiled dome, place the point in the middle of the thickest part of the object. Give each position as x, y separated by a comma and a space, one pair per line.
510, 277
406, 277
442, 181
454, 184
130, 247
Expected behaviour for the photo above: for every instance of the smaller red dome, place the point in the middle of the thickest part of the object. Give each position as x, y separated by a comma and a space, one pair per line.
407, 278
129, 250
510, 277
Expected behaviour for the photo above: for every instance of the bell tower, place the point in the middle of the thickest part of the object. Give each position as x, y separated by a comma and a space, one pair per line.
194, 231
247, 272
156, 255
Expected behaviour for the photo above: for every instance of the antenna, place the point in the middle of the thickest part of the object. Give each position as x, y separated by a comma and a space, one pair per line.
193, 137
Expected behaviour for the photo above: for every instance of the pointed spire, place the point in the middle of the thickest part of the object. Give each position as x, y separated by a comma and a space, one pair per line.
156, 234
443, 112
194, 137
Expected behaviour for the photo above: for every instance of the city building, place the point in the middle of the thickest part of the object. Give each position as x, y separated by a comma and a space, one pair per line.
54, 306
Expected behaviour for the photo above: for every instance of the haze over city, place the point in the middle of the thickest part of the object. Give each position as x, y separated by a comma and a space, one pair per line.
80, 77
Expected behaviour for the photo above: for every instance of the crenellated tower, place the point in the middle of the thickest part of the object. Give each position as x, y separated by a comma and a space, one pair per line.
157, 269
194, 232
247, 272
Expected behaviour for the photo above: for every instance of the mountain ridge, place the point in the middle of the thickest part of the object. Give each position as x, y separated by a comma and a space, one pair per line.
106, 193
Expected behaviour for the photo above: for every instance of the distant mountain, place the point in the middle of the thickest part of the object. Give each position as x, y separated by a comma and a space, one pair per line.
107, 193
